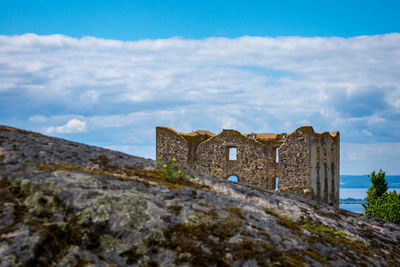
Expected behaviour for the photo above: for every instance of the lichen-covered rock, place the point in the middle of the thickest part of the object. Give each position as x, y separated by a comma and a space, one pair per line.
40, 204
67, 204
78, 257
18, 245
128, 211
6, 215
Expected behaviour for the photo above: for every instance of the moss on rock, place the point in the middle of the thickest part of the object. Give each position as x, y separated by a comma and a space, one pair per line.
202, 240
129, 208
175, 209
41, 205
155, 238
110, 244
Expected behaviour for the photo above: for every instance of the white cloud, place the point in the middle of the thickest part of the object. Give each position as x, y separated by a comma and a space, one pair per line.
72, 126
253, 84
366, 132
365, 158
89, 97
37, 118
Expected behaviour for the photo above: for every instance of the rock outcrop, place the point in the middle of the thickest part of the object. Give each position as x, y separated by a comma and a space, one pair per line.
69, 204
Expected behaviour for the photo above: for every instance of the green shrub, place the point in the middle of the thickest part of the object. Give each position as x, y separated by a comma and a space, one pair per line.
386, 207
379, 185
381, 204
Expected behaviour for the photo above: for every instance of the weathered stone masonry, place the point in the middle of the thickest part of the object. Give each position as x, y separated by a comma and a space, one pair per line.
306, 163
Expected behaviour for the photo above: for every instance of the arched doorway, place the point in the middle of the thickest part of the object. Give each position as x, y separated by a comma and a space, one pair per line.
233, 179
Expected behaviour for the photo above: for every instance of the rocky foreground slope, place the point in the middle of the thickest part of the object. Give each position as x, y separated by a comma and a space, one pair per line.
69, 204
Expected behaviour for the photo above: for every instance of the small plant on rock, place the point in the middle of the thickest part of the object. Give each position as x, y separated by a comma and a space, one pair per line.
171, 170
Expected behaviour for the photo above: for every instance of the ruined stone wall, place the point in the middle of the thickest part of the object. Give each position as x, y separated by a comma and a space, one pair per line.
294, 159
324, 176
254, 164
308, 162
170, 144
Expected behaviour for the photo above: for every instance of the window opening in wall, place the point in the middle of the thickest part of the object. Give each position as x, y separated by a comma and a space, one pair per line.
233, 179
276, 183
277, 155
232, 153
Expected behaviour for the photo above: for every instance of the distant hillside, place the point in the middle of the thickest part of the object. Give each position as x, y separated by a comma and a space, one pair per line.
363, 181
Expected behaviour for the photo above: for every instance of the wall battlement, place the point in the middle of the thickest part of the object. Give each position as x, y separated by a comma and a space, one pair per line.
303, 162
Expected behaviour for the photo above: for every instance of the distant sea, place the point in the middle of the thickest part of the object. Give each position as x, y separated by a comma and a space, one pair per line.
363, 181
356, 186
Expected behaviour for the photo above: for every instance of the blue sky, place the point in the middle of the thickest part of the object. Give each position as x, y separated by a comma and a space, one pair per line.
192, 19
107, 72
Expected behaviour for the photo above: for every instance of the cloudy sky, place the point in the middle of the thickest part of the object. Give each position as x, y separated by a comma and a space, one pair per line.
107, 74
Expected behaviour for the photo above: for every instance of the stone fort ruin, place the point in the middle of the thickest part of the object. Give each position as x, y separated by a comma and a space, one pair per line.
303, 162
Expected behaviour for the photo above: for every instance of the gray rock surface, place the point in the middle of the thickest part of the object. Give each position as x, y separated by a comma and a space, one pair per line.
69, 204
